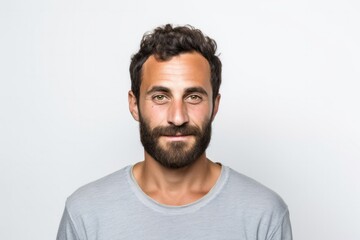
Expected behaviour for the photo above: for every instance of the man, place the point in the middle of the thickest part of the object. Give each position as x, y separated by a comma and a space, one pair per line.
176, 192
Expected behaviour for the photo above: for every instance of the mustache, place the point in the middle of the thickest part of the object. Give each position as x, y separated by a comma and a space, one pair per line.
176, 130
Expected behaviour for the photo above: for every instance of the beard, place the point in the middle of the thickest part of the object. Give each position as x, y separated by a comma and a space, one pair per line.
176, 154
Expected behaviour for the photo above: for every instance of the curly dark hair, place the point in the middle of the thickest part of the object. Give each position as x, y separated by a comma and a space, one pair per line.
168, 41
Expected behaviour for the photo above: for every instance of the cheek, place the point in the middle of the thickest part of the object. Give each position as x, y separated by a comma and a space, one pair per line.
153, 114
200, 114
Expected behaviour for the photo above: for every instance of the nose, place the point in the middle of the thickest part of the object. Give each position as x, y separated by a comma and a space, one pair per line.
177, 113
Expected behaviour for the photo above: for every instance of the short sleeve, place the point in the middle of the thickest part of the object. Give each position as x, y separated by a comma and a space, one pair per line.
283, 231
67, 229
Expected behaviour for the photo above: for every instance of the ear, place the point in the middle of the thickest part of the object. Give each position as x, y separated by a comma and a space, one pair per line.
133, 105
216, 106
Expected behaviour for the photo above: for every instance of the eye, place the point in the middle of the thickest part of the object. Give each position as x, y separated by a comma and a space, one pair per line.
160, 98
194, 99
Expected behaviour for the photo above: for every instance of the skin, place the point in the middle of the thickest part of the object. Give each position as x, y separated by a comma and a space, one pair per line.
175, 92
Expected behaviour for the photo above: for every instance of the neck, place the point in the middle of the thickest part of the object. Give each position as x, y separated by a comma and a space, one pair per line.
176, 186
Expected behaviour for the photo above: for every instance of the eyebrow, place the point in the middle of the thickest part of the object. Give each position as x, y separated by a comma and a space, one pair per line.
195, 90
187, 90
158, 89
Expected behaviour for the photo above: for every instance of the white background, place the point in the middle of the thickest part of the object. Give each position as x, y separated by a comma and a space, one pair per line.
289, 115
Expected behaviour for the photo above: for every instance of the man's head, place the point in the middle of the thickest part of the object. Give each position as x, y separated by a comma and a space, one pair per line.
175, 83
168, 41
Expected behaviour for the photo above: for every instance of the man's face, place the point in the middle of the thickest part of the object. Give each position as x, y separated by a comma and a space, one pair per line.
175, 109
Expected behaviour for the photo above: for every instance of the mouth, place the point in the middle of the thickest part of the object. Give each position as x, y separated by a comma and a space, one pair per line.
177, 137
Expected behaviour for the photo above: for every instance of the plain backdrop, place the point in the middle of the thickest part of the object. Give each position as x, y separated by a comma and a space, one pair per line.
289, 114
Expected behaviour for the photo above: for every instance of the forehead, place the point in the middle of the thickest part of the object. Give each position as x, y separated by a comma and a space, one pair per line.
184, 70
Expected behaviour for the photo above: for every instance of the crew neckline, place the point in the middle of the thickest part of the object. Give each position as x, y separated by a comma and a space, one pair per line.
183, 209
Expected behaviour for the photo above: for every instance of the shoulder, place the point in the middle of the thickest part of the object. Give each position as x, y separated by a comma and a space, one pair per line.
249, 192
254, 205
99, 193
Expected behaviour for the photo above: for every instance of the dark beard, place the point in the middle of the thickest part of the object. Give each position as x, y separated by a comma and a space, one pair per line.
175, 156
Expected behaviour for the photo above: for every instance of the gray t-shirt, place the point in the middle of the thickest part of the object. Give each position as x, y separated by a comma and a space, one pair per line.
115, 208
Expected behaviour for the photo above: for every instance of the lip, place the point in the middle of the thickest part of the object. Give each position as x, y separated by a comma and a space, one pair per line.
177, 137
